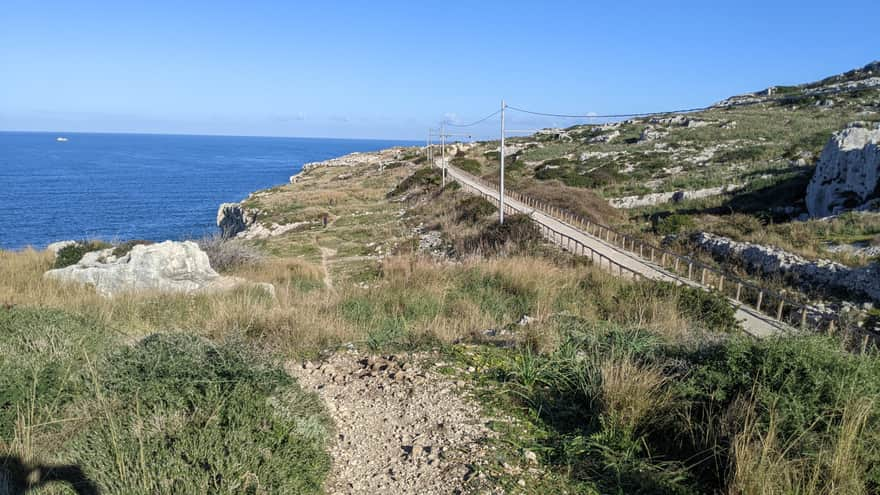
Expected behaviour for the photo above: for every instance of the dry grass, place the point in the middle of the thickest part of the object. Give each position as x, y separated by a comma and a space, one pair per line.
808, 239
633, 393
762, 463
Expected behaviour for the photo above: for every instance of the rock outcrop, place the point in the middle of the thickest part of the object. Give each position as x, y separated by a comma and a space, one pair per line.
651, 199
179, 267
847, 176
824, 274
233, 218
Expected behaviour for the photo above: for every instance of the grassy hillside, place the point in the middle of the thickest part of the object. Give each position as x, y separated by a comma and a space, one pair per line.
765, 151
592, 384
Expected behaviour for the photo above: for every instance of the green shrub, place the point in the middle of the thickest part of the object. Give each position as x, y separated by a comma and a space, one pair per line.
673, 224
518, 232
72, 254
708, 309
745, 154
806, 382
569, 173
473, 209
423, 178
178, 414
467, 164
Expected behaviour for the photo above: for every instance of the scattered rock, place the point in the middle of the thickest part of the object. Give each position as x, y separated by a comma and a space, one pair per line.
652, 199
418, 434
525, 320
605, 138
847, 175
651, 133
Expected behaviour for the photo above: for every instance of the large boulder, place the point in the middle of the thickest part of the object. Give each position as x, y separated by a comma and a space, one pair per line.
180, 267
233, 218
847, 176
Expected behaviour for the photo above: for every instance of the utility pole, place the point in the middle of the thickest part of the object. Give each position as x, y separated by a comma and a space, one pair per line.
501, 189
443, 149
430, 152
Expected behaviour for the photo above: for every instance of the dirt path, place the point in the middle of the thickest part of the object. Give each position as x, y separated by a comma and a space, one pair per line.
400, 429
752, 321
326, 255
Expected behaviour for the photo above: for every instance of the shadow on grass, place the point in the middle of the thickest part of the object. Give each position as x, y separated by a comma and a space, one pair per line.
18, 477
765, 196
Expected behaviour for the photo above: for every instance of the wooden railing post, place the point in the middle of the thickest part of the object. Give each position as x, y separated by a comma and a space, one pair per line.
803, 317
760, 298
779, 309
739, 287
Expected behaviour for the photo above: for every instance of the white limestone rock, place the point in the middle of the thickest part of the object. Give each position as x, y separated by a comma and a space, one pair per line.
178, 267
847, 175
862, 281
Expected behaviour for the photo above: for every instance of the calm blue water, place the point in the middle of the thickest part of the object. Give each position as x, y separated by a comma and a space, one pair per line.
139, 186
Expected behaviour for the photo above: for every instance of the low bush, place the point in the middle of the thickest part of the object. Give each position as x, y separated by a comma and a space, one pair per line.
518, 232
422, 179
473, 209
673, 224
209, 418
469, 165
72, 254
618, 410
229, 254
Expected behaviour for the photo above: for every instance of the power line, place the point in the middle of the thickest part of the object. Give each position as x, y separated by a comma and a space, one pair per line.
610, 116
784, 98
496, 112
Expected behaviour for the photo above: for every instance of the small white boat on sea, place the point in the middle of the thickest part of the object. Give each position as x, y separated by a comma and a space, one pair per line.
61, 139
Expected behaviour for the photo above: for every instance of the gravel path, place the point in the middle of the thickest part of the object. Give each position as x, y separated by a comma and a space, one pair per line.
400, 428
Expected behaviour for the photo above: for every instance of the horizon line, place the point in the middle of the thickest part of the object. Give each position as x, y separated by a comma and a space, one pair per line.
61, 133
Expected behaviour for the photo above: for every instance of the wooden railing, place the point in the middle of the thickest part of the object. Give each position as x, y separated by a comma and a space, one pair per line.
685, 269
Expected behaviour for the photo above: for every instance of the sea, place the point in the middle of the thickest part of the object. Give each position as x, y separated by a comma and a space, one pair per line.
140, 186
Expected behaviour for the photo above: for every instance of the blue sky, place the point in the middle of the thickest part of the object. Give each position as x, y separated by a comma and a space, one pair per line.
389, 69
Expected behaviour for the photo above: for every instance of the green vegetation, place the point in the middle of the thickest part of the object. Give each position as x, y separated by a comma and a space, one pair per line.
423, 178
673, 224
620, 410
173, 413
473, 209
517, 230
469, 165
70, 255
